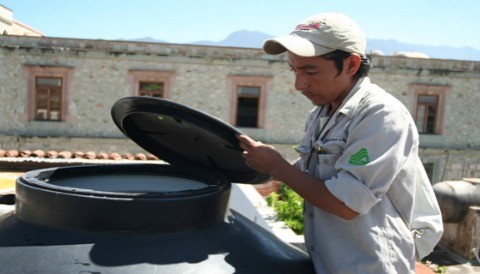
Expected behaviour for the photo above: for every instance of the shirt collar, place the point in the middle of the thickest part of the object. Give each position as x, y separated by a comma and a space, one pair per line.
351, 102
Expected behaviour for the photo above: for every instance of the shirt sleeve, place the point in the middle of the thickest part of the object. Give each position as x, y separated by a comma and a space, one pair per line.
380, 139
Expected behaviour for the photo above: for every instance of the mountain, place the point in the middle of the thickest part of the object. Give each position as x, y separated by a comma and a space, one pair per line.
149, 40
390, 47
255, 39
243, 38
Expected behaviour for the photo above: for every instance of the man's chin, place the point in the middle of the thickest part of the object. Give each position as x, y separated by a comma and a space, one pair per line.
317, 102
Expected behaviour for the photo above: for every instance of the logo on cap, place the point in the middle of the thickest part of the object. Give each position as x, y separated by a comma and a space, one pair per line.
311, 26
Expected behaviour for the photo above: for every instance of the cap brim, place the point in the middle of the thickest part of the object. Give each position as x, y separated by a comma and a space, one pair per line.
294, 44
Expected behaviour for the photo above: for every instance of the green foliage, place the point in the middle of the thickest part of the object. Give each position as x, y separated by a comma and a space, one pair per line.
436, 268
441, 269
289, 207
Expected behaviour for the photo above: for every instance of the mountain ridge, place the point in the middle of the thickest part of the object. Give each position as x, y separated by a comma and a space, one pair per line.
255, 39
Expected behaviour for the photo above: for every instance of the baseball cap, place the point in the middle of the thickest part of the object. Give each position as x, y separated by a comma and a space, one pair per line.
318, 35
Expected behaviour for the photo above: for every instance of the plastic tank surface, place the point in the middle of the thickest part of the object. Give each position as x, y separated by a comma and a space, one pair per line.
59, 227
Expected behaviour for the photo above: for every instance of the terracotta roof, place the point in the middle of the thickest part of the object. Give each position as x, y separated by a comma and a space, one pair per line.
89, 155
26, 159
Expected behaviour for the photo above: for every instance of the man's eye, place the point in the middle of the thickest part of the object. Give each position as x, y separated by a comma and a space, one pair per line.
311, 72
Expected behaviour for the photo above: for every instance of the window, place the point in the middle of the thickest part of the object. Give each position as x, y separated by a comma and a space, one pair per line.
150, 83
47, 94
248, 100
48, 98
429, 170
247, 106
429, 107
153, 89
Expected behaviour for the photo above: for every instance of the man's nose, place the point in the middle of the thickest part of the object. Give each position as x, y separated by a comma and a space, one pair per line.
300, 82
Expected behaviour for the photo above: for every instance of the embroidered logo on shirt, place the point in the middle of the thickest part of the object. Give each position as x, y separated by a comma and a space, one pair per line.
360, 158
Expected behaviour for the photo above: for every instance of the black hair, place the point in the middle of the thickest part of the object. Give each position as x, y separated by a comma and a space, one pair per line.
338, 56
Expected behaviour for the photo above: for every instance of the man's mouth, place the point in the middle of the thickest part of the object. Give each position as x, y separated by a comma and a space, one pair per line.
309, 95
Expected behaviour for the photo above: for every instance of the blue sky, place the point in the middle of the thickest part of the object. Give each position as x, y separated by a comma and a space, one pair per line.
427, 22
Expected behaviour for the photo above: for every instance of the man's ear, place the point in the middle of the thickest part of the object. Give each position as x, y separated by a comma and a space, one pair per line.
352, 64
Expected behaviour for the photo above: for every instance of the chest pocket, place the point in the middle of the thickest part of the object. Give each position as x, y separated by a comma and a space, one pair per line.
328, 152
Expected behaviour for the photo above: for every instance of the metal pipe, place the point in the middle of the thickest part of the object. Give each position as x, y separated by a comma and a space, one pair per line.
455, 198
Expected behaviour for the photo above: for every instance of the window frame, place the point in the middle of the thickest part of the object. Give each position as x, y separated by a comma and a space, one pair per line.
425, 117
37, 71
441, 92
237, 81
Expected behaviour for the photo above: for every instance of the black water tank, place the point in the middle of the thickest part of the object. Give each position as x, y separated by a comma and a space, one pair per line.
60, 227
145, 218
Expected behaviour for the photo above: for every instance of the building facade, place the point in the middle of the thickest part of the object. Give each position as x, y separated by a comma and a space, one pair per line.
57, 94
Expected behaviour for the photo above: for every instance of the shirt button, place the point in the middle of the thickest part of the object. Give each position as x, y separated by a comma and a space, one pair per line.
312, 248
310, 214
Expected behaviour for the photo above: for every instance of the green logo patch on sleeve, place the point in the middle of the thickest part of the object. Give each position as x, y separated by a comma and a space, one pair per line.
360, 158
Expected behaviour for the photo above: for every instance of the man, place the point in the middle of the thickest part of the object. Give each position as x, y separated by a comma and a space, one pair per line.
358, 157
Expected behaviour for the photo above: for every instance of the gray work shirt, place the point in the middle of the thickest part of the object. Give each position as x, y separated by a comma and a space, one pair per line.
367, 149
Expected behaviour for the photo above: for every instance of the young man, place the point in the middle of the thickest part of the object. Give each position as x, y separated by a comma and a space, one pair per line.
358, 157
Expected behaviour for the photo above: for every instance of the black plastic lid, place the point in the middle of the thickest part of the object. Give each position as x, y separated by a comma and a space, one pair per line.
183, 136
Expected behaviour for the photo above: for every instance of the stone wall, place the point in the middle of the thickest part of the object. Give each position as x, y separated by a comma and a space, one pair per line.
461, 113
99, 76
